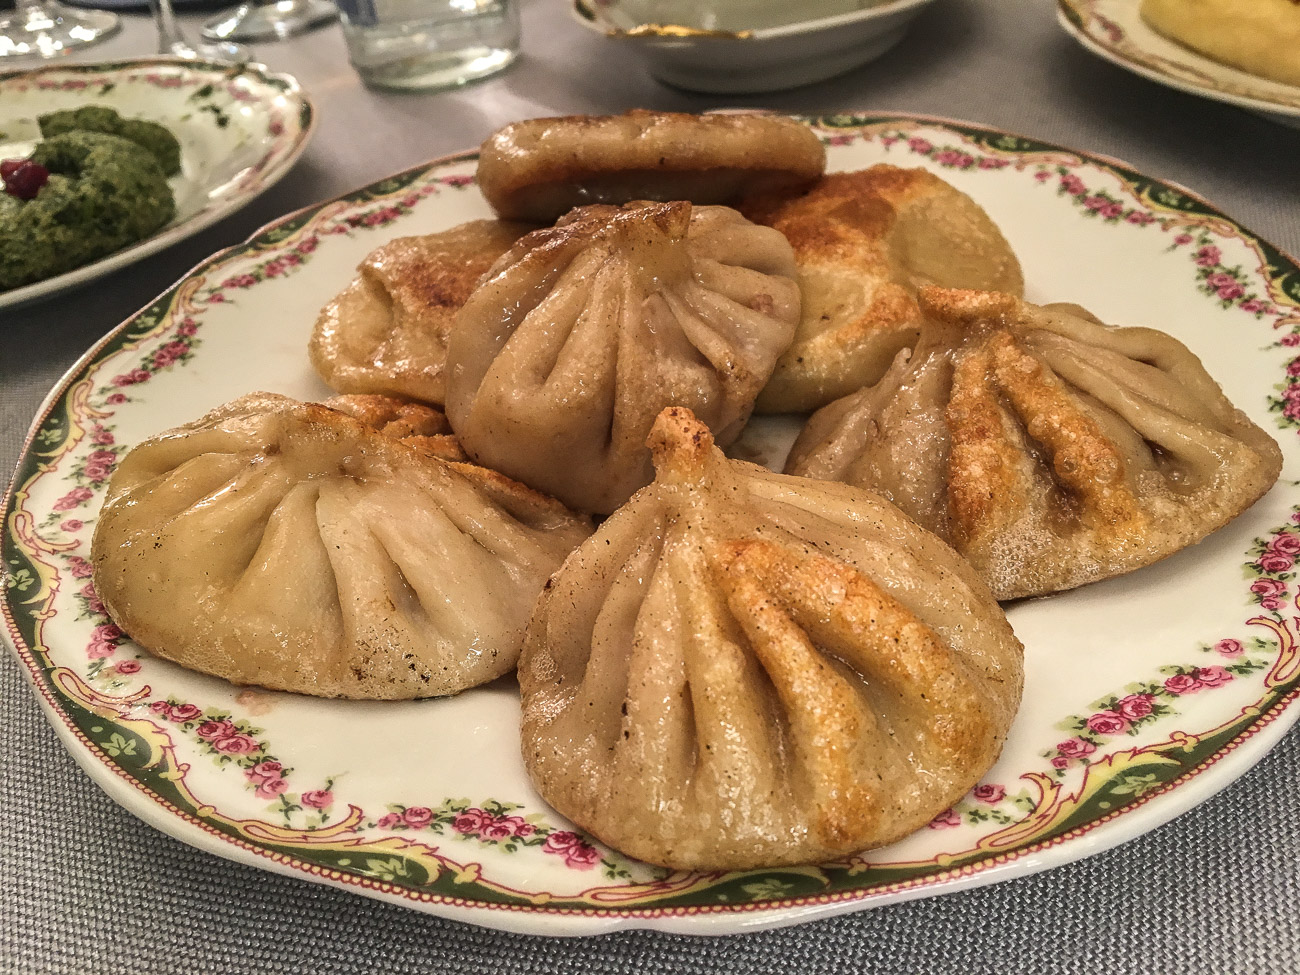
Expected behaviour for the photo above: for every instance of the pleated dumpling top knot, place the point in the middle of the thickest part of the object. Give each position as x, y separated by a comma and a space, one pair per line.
297, 547
582, 333
1050, 449
745, 669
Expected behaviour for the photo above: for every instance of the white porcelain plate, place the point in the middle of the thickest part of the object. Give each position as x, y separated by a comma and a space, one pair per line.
762, 59
1143, 695
240, 129
1115, 30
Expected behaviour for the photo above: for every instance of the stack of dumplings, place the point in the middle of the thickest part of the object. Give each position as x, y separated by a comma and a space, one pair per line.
736, 668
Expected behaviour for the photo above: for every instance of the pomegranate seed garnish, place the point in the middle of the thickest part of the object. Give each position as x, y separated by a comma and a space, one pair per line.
25, 180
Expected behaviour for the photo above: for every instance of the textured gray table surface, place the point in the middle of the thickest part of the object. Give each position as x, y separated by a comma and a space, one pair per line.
87, 888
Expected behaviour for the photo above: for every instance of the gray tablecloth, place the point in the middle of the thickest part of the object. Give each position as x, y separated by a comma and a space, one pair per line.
87, 888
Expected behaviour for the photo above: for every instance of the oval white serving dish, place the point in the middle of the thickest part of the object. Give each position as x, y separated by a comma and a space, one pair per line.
762, 59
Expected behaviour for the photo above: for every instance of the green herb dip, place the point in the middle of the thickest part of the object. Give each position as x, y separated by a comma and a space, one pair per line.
104, 193
99, 118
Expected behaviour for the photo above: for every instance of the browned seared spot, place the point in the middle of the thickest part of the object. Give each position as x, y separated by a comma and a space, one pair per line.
1085, 461
984, 492
386, 332
391, 416
438, 271
680, 444
961, 306
864, 202
824, 713
865, 242
800, 610
437, 283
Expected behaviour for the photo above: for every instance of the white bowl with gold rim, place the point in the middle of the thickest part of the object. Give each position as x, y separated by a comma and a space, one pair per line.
733, 60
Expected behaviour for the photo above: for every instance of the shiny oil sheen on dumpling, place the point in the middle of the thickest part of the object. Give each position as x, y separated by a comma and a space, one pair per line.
1049, 449
579, 336
744, 669
292, 546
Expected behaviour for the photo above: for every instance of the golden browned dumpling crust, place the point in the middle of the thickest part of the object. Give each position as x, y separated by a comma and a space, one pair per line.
864, 242
1050, 450
563, 357
416, 424
541, 168
742, 669
291, 546
1261, 37
386, 332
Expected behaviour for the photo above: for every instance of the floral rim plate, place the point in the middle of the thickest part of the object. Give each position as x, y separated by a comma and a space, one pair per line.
240, 128
1116, 31
1135, 707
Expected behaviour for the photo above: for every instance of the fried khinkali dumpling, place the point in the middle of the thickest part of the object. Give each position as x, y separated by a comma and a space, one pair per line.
386, 332
582, 333
744, 669
864, 242
291, 546
1049, 449
540, 168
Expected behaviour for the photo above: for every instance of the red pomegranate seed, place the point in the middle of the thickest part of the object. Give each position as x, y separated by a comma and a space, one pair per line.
26, 179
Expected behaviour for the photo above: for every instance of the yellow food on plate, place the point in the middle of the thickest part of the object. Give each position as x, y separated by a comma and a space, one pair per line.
1261, 37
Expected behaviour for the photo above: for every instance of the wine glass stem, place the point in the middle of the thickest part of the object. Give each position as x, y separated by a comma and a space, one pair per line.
169, 34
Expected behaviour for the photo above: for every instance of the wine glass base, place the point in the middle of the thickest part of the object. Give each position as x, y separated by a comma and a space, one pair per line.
269, 21
227, 51
51, 29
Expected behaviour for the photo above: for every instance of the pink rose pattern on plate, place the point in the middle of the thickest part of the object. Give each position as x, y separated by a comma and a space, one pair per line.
498, 824
1144, 702
230, 741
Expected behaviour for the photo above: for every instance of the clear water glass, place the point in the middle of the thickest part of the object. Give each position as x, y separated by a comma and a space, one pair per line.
429, 44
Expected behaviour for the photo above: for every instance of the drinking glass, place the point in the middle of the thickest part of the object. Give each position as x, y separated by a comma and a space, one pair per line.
45, 28
429, 44
172, 40
268, 20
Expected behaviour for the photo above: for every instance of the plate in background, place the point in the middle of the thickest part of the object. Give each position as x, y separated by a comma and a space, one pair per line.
763, 59
1115, 30
241, 129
